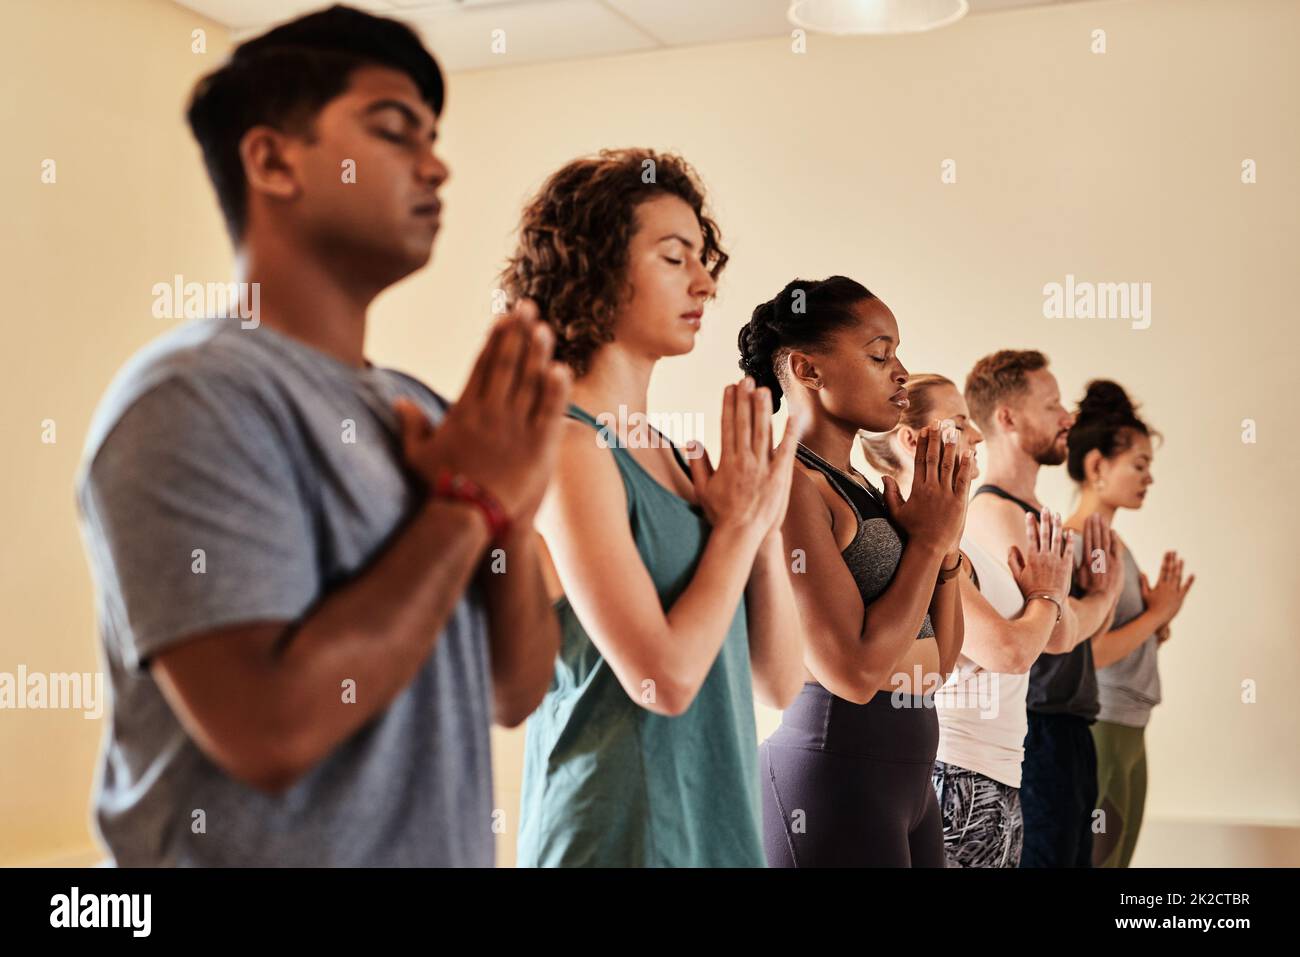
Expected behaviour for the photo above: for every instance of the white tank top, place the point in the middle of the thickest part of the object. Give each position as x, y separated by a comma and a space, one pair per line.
982, 721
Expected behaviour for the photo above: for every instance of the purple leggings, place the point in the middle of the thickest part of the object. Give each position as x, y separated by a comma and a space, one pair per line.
848, 785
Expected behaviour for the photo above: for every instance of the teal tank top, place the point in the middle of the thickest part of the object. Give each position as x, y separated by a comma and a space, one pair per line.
608, 783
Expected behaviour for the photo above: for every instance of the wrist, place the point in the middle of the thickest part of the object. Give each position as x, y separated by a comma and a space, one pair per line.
439, 510
743, 538
1046, 596
449, 486
772, 545
949, 567
933, 549
1159, 619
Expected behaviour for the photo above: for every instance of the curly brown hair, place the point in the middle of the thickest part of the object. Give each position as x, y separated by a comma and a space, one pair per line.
574, 235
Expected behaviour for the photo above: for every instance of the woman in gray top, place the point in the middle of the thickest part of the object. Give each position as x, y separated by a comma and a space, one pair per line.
1110, 457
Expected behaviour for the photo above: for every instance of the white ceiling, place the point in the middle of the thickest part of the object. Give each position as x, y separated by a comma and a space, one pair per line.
460, 31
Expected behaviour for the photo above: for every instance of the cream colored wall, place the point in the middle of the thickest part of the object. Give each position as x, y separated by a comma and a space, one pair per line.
100, 89
1116, 167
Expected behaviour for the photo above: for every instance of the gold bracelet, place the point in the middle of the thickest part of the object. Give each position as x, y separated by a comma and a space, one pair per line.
1053, 599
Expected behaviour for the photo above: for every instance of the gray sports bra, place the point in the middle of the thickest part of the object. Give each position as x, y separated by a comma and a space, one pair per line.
877, 548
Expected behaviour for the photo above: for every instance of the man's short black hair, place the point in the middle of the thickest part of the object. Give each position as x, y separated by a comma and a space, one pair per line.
284, 77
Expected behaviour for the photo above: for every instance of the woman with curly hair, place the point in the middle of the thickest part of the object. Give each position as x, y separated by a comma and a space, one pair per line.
669, 575
1110, 456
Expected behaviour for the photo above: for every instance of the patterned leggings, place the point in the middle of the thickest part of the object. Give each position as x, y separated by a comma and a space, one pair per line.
982, 824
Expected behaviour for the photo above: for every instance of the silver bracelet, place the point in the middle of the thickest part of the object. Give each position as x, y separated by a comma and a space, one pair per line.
1052, 598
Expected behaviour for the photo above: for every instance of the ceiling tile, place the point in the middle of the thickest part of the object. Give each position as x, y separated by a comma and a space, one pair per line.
687, 22
550, 30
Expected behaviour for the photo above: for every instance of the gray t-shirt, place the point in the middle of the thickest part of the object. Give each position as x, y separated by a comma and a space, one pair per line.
237, 475
1130, 688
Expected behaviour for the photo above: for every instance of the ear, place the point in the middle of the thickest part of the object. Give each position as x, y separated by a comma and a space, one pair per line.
1093, 461
270, 160
906, 438
804, 370
1005, 417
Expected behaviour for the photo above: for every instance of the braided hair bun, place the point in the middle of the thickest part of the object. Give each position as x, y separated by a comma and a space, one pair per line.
803, 315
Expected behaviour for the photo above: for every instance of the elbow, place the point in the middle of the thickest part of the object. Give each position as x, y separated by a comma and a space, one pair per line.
276, 753
512, 711
856, 685
504, 716
273, 784
272, 772
665, 695
1021, 663
778, 694
669, 700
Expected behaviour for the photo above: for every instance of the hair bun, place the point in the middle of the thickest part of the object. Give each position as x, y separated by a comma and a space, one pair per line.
1105, 399
758, 341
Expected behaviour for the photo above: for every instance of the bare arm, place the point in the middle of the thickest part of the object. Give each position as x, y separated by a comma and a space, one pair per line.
947, 618
1110, 646
852, 650
662, 657
1041, 566
523, 632
1008, 646
1100, 574
376, 631
1092, 613
775, 648
1161, 603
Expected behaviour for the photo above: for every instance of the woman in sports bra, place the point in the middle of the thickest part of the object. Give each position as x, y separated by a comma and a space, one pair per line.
1009, 613
846, 777
669, 575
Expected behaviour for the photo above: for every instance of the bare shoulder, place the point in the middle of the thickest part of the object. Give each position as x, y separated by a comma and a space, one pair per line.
995, 522
810, 489
585, 469
812, 493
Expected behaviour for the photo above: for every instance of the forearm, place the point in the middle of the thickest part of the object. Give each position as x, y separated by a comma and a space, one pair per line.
523, 631
947, 620
775, 647
1090, 612
1109, 647
1065, 633
375, 631
1013, 645
698, 621
891, 622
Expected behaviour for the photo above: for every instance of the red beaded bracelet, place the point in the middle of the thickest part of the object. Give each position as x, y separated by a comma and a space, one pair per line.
448, 484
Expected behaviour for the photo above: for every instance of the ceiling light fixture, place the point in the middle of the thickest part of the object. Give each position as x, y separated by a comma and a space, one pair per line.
875, 16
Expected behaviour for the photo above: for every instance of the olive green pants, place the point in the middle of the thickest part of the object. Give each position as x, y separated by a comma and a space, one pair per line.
1121, 791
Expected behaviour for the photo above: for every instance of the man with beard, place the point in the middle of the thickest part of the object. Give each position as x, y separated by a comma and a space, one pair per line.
1015, 400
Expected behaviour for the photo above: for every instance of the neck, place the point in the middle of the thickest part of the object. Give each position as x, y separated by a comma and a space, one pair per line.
831, 439
615, 377
321, 304
1089, 502
1012, 470
904, 477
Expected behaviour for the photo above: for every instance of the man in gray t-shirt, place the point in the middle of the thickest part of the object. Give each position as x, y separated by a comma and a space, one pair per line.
234, 475
305, 632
